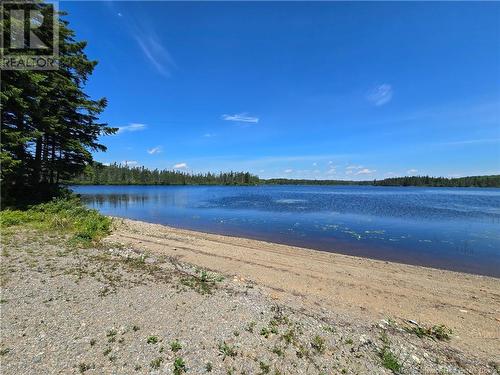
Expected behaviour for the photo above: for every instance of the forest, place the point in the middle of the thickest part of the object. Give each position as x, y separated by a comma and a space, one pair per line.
117, 174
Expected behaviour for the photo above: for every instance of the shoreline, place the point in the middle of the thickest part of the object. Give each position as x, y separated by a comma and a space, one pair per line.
362, 289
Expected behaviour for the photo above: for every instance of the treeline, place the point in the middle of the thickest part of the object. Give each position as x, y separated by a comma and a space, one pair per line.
50, 126
472, 181
288, 181
117, 174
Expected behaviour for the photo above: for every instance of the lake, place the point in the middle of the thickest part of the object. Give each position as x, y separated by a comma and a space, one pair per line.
449, 228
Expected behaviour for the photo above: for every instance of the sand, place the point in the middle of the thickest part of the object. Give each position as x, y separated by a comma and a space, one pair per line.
357, 289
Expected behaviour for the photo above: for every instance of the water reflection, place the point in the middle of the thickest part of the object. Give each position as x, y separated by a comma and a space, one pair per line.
449, 228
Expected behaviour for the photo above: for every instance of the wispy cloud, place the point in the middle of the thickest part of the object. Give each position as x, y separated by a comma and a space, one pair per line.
209, 135
331, 171
470, 142
380, 95
352, 167
180, 166
241, 117
154, 150
288, 170
411, 171
134, 127
156, 53
365, 171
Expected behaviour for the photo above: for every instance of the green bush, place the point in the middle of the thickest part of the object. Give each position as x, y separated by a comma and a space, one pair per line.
66, 215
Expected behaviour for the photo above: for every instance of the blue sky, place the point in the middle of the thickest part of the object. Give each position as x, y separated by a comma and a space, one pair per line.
305, 90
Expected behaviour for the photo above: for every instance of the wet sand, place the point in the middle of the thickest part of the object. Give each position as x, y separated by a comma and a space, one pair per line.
356, 288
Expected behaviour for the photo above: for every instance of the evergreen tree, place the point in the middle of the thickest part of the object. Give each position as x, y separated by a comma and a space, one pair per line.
49, 124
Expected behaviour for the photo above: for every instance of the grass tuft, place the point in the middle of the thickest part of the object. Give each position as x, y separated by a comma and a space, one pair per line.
65, 215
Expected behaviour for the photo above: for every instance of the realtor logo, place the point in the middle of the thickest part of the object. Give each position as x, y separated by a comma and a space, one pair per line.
29, 36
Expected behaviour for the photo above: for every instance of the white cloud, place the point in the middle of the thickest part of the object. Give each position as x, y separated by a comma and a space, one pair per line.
315, 164
154, 150
180, 166
129, 163
288, 170
134, 127
411, 171
209, 135
366, 171
351, 167
331, 171
241, 117
380, 95
119, 14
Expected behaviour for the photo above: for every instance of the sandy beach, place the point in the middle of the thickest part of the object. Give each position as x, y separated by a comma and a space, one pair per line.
355, 288
150, 299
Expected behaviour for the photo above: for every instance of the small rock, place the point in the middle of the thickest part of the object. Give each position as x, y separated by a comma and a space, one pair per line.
415, 359
364, 339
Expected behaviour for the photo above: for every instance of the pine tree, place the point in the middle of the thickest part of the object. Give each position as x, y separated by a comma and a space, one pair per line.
49, 124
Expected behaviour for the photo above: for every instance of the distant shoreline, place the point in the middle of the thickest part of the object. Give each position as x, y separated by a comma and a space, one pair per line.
117, 174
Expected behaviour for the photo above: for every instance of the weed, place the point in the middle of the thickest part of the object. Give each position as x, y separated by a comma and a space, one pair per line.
111, 335
135, 328
92, 342
439, 332
349, 341
289, 336
152, 340
209, 367
318, 344
106, 351
227, 350
265, 332
250, 327
156, 363
329, 329
264, 367
179, 366
389, 360
4, 351
278, 351
82, 367
175, 346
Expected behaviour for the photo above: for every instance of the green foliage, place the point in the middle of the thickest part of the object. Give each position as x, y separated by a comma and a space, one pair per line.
152, 340
179, 366
472, 181
49, 124
156, 363
439, 332
117, 174
318, 344
175, 346
227, 350
389, 360
66, 215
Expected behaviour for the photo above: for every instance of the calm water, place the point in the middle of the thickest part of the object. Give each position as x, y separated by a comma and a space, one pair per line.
450, 228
